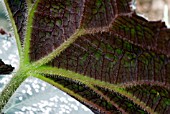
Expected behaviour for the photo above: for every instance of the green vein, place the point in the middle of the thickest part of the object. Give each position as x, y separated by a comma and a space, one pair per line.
61, 48
26, 49
91, 81
14, 28
101, 94
72, 75
29, 4
61, 87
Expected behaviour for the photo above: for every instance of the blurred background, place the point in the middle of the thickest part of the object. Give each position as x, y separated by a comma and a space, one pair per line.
3, 18
154, 9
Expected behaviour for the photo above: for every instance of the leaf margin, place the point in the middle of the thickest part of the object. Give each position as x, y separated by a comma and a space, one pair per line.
14, 27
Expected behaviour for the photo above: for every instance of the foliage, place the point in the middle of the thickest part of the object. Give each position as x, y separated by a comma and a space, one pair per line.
4, 68
98, 51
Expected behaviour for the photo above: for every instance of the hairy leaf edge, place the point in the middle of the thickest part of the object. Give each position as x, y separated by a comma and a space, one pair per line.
14, 28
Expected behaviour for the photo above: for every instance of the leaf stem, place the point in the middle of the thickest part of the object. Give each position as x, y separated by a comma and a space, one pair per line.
11, 87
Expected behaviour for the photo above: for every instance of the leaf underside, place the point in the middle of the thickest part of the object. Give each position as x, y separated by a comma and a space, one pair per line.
19, 12
91, 96
116, 47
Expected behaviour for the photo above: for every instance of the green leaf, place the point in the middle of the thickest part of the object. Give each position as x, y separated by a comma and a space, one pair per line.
156, 97
18, 9
98, 51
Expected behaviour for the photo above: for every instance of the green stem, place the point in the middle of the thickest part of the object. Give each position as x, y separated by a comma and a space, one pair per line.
10, 88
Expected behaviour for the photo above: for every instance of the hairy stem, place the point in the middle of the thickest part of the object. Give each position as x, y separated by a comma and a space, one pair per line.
10, 88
